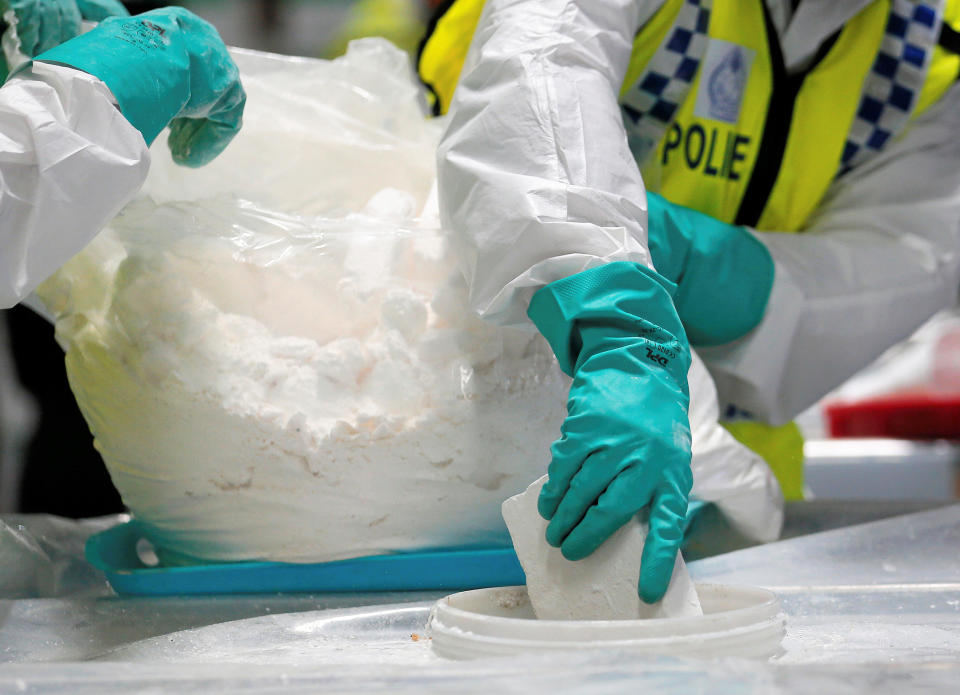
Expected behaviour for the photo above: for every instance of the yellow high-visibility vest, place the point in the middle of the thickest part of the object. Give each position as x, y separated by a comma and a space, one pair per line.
716, 123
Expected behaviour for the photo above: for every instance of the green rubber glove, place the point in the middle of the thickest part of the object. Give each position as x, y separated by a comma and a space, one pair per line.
723, 273
99, 10
165, 67
625, 443
43, 24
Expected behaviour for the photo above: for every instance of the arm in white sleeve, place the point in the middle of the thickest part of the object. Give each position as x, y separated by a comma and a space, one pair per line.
536, 179
69, 161
879, 258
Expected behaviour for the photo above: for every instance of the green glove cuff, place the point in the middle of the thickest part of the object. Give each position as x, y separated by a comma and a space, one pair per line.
43, 24
150, 93
612, 301
724, 274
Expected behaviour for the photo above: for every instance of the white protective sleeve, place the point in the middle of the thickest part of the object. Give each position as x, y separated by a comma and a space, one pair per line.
880, 257
69, 161
537, 181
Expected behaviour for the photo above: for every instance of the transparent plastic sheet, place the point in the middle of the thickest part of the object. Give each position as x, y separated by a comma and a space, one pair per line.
275, 352
42, 556
319, 137
611, 674
906, 550
18, 419
884, 591
852, 627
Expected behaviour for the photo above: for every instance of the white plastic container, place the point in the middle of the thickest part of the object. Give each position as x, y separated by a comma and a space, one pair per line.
737, 621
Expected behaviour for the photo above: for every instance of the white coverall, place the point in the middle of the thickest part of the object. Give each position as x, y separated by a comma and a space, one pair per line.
69, 161
540, 184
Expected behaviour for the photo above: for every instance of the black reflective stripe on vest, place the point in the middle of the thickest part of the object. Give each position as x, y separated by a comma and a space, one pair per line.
776, 128
432, 27
949, 40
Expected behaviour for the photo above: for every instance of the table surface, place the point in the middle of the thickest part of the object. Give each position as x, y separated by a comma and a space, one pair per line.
870, 605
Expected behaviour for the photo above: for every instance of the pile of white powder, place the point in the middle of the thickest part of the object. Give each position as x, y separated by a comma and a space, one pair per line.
261, 388
274, 353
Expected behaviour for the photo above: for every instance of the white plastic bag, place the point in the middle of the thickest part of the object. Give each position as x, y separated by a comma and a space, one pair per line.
275, 354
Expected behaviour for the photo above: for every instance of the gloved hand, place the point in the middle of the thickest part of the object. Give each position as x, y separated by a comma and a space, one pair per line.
626, 441
43, 24
99, 10
165, 67
723, 273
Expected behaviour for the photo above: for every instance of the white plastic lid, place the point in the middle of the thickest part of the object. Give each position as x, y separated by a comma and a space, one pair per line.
737, 621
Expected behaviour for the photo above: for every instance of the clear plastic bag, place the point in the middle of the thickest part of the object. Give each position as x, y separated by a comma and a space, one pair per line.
41, 556
319, 137
275, 352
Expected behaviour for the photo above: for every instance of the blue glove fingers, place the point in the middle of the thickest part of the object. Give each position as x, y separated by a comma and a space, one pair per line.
625, 496
162, 66
667, 522
28, 26
57, 21
566, 458
195, 142
724, 273
585, 488
669, 247
98, 10
42, 24
213, 115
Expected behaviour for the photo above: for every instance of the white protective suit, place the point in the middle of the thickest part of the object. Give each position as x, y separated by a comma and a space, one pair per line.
69, 161
540, 184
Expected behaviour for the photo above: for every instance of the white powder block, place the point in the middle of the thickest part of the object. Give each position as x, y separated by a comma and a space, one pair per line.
602, 586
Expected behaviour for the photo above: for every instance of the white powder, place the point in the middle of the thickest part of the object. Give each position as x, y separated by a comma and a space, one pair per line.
260, 388
602, 586
264, 383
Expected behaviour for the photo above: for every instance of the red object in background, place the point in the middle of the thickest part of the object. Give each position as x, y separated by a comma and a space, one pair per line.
928, 411
912, 415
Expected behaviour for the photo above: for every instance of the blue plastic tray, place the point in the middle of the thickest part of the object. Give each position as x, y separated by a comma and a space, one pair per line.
114, 551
